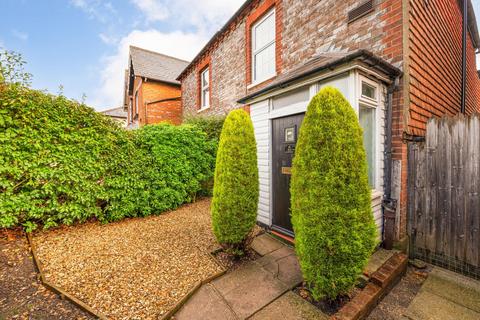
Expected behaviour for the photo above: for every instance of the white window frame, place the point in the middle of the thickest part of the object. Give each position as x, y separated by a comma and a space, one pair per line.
203, 88
373, 103
256, 51
367, 100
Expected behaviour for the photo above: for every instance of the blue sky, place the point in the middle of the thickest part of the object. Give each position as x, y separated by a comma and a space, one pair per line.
83, 44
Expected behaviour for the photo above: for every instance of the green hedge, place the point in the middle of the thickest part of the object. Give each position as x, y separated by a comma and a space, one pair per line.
235, 193
330, 195
211, 125
61, 162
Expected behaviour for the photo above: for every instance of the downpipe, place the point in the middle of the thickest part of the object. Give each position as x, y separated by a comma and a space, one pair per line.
389, 205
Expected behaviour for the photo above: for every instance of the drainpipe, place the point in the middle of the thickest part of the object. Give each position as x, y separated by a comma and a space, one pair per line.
389, 205
464, 55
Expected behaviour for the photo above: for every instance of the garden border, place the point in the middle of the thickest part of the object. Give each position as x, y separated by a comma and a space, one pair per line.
62, 293
379, 284
198, 285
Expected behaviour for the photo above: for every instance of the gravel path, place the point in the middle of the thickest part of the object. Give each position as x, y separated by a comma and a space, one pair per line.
395, 303
22, 296
133, 269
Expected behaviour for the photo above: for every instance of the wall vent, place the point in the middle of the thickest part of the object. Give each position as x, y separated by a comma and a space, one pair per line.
360, 11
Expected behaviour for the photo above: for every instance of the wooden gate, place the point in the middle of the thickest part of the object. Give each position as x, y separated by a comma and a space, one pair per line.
444, 195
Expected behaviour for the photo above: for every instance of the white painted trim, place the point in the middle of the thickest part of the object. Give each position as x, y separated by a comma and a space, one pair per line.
321, 78
257, 83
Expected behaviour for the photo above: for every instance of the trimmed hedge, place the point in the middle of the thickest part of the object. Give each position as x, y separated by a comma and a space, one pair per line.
235, 192
330, 197
211, 125
61, 162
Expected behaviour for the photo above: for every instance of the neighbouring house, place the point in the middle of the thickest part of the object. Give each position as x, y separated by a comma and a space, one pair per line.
118, 114
398, 62
152, 92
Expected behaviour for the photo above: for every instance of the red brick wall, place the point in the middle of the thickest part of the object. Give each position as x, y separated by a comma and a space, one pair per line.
306, 28
165, 111
435, 57
150, 91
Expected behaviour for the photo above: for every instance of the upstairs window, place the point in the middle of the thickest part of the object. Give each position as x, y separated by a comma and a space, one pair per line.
205, 89
263, 48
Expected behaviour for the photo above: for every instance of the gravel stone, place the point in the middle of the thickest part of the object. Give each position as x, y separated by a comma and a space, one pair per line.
133, 269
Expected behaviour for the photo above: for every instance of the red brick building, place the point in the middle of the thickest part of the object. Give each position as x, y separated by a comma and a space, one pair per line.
152, 93
398, 62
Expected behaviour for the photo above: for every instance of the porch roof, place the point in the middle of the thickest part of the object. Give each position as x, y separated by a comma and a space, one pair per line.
323, 62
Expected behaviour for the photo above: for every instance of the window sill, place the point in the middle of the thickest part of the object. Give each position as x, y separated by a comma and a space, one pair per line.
256, 83
203, 109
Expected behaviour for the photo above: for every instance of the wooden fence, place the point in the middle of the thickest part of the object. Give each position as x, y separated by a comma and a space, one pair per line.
444, 194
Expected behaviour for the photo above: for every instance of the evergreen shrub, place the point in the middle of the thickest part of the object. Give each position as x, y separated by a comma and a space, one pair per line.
235, 191
330, 197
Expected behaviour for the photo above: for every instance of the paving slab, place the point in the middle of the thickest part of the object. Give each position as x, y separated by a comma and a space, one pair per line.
429, 306
249, 289
290, 307
283, 252
287, 270
206, 303
265, 244
454, 287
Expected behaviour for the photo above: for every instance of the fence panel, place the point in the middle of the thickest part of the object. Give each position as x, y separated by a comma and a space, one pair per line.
444, 194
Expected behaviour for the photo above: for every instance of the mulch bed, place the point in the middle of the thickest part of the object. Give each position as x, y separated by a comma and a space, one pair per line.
136, 268
22, 296
230, 262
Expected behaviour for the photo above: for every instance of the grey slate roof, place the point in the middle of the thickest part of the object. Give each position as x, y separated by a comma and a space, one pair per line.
156, 66
115, 113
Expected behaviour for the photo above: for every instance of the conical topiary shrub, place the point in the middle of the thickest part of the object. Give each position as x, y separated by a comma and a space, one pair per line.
235, 191
330, 197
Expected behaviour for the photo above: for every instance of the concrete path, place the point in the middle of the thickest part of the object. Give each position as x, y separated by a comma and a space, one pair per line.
446, 295
260, 289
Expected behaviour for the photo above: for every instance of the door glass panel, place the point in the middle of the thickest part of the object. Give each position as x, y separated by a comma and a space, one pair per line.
290, 134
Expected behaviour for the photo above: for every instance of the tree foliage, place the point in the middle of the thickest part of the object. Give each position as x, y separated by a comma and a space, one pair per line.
61, 162
235, 192
12, 68
330, 197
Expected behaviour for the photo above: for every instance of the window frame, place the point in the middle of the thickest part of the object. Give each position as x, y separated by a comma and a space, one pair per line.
204, 87
365, 99
256, 51
371, 103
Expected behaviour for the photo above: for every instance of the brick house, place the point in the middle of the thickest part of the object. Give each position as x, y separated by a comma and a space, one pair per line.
152, 93
398, 62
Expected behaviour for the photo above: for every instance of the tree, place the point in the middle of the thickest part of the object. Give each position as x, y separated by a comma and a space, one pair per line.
330, 197
235, 191
12, 69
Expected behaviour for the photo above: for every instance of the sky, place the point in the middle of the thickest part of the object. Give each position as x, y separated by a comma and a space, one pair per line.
82, 45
